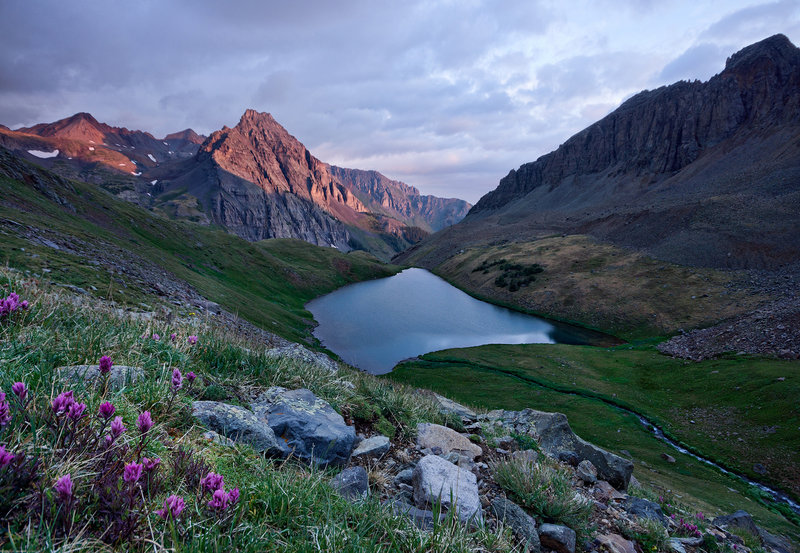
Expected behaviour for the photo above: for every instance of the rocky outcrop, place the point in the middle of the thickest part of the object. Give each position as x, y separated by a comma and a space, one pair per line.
442, 440
441, 482
557, 538
520, 522
237, 424
376, 446
296, 352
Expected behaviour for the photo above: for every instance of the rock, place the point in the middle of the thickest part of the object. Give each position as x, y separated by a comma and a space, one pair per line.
422, 519
352, 483
643, 508
776, 544
586, 472
437, 480
668, 458
691, 542
739, 519
506, 442
522, 524
297, 352
676, 545
448, 406
569, 457
528, 455
376, 446
615, 543
758, 468
404, 476
558, 538
307, 427
119, 376
434, 435
219, 439
238, 424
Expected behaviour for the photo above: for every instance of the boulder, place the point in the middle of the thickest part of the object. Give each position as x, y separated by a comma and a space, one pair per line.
586, 472
430, 436
307, 427
352, 483
438, 481
404, 477
448, 406
376, 446
558, 538
605, 492
776, 544
120, 375
237, 424
676, 546
422, 518
520, 522
615, 543
643, 508
296, 352
739, 519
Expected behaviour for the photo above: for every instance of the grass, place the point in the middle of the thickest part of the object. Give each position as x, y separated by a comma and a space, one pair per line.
671, 392
600, 286
283, 507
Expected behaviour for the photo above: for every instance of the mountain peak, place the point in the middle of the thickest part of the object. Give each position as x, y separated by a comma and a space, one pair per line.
252, 117
187, 134
777, 51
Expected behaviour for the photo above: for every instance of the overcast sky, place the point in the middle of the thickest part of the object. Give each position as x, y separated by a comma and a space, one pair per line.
444, 95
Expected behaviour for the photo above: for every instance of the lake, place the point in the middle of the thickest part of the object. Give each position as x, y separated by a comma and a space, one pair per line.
374, 325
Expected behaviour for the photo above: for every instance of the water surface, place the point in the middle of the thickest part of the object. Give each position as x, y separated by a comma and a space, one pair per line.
374, 325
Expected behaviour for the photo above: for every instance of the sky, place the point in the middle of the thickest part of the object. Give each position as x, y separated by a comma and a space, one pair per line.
448, 95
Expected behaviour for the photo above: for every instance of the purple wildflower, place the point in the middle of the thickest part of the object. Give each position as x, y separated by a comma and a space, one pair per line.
150, 464
105, 364
233, 496
5, 410
106, 410
144, 422
192, 339
10, 304
133, 471
24, 304
213, 481
63, 488
117, 428
219, 500
173, 337
76, 411
177, 379
173, 506
190, 376
5, 457
20, 390
62, 402
156, 337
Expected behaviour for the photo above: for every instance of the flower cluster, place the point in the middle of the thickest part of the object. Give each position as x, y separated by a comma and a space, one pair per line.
214, 484
11, 303
686, 528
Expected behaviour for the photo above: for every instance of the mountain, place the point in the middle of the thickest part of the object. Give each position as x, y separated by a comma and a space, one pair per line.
401, 201
699, 173
255, 179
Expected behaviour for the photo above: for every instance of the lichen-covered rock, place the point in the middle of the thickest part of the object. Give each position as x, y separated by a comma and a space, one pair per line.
430, 436
643, 508
120, 375
614, 543
297, 352
237, 424
306, 427
448, 406
558, 538
522, 524
586, 472
352, 483
439, 481
375, 446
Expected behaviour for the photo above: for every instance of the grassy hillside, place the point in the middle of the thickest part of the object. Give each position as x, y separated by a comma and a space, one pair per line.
78, 234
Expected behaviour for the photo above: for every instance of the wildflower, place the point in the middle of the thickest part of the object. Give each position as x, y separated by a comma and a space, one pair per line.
219, 500
233, 496
62, 402
133, 471
177, 379
213, 481
105, 364
5, 457
701, 516
190, 376
106, 410
156, 337
24, 304
20, 390
117, 428
63, 488
192, 339
150, 464
76, 411
5, 410
173, 337
173, 506
144, 422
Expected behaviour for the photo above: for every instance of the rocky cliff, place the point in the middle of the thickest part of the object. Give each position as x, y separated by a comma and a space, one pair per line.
701, 173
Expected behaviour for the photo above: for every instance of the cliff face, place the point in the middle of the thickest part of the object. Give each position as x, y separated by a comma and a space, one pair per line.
697, 173
400, 201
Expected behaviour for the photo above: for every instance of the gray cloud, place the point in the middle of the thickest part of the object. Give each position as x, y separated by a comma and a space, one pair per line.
448, 96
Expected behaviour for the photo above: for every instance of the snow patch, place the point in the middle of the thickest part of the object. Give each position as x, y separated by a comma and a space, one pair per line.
153, 181
91, 148
148, 193
139, 174
122, 165
152, 158
43, 155
171, 152
165, 143
92, 142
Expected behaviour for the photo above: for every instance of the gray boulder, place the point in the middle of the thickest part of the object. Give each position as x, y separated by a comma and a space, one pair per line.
237, 424
586, 472
422, 518
438, 481
520, 522
430, 436
643, 508
558, 538
352, 483
120, 375
739, 519
296, 352
307, 427
448, 406
776, 544
375, 446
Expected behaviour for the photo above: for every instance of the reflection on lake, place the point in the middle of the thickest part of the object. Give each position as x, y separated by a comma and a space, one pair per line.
374, 325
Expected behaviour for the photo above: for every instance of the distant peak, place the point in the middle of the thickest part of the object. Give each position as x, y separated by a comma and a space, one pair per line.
777, 49
187, 134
